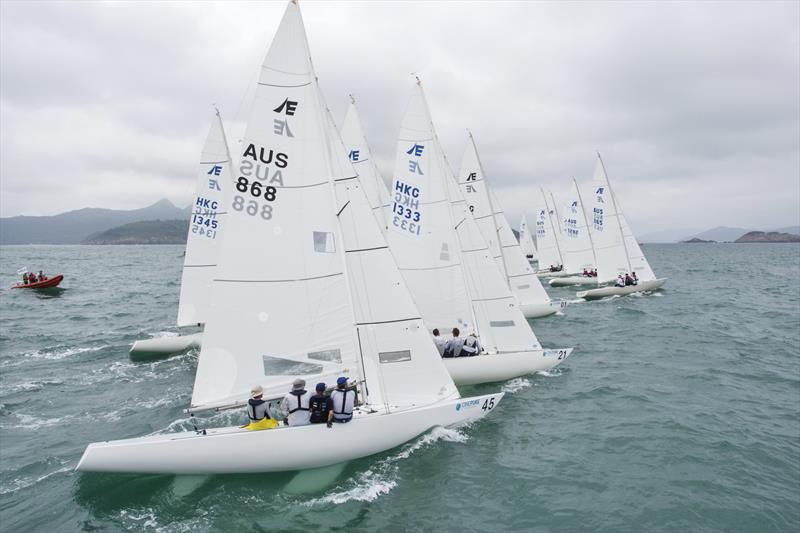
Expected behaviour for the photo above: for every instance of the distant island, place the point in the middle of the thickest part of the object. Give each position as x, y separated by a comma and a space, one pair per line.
695, 240
771, 236
143, 232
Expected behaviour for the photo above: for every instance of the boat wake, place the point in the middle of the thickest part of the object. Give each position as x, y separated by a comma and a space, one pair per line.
381, 478
53, 354
25, 482
552, 373
515, 385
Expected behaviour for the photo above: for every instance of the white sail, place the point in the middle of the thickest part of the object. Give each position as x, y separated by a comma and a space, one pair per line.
420, 225
577, 250
421, 165
637, 262
610, 246
526, 240
546, 230
400, 364
491, 220
280, 297
361, 158
205, 226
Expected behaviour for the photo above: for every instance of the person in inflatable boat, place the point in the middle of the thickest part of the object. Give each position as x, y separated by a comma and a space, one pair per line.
258, 411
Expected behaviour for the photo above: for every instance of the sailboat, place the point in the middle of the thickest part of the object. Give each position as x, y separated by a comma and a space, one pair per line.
616, 248
526, 241
320, 296
202, 244
361, 158
447, 264
491, 221
578, 251
547, 242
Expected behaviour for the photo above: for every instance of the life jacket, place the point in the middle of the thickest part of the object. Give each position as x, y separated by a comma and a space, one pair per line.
258, 409
453, 347
471, 346
319, 405
297, 405
344, 401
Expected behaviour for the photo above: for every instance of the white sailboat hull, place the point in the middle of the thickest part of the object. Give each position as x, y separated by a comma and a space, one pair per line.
539, 310
573, 280
166, 345
603, 292
548, 274
235, 450
489, 368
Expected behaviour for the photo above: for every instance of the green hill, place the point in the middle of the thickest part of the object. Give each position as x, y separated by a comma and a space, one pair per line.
143, 232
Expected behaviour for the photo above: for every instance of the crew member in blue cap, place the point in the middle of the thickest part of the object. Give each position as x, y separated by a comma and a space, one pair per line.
343, 401
320, 405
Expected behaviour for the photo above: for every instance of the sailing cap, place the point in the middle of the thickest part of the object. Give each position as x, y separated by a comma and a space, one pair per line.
258, 390
298, 384
321, 387
341, 381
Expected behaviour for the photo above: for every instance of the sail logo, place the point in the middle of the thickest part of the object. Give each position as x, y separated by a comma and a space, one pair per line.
287, 107
574, 206
473, 176
416, 150
215, 170
354, 155
599, 193
414, 168
281, 127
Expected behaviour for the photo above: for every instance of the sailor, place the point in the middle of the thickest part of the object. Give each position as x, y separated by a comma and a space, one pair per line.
628, 279
296, 405
585, 273
454, 345
635, 278
320, 405
258, 411
25, 278
471, 345
343, 400
620, 282
439, 341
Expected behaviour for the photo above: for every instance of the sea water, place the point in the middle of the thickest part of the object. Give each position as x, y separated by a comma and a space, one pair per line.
678, 411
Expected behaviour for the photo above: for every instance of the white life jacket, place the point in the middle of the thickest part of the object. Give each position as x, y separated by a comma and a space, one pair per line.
297, 405
343, 403
471, 345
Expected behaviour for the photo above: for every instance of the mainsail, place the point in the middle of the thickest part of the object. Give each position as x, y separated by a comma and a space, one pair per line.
578, 251
546, 231
450, 243
205, 226
526, 240
361, 158
496, 231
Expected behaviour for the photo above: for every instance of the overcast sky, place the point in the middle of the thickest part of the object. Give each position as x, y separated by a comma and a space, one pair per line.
694, 106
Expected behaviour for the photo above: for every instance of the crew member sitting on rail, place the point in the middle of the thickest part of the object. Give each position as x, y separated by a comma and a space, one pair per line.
454, 345
320, 405
635, 278
620, 282
628, 279
439, 341
258, 411
296, 405
343, 401
586, 273
471, 346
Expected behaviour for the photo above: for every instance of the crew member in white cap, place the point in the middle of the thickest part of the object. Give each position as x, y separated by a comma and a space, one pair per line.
258, 411
296, 405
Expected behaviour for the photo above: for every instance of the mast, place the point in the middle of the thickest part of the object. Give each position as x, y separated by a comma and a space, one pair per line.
491, 208
618, 213
585, 220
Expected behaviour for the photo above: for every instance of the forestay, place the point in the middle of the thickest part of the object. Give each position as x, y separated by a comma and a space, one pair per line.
578, 251
526, 240
205, 226
547, 245
496, 231
360, 156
